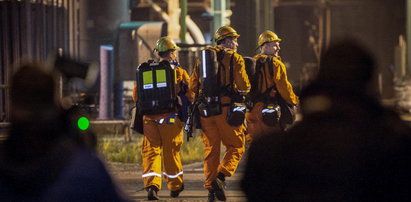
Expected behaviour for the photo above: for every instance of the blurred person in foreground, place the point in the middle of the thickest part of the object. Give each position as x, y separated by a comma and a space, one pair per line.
348, 147
270, 89
44, 158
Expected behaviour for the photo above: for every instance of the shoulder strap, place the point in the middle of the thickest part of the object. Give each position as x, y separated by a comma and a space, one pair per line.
220, 55
257, 80
271, 70
221, 67
232, 73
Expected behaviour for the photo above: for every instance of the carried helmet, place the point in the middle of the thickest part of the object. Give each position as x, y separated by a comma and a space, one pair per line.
224, 32
165, 44
267, 37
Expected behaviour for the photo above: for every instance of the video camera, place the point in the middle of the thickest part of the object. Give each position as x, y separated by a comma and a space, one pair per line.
72, 68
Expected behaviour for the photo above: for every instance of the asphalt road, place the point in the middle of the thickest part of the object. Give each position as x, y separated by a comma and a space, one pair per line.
129, 179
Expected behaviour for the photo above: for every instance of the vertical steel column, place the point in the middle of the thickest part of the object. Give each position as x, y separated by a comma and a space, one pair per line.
26, 29
268, 15
37, 30
2, 63
106, 81
7, 56
49, 27
73, 28
54, 29
183, 53
2, 84
65, 26
16, 33
59, 26
43, 30
408, 36
183, 24
219, 14
100, 26
264, 16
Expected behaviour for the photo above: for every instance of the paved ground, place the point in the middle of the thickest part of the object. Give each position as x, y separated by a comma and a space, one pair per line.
129, 179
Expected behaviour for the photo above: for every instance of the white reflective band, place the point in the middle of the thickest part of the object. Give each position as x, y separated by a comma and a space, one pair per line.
242, 91
161, 121
147, 86
151, 174
239, 109
161, 85
204, 65
268, 110
205, 112
173, 176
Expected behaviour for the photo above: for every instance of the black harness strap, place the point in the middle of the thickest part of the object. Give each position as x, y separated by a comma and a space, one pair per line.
221, 67
232, 73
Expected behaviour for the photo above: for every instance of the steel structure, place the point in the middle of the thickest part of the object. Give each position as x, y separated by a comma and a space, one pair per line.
30, 30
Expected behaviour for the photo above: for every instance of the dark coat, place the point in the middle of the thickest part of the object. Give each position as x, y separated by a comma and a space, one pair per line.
346, 148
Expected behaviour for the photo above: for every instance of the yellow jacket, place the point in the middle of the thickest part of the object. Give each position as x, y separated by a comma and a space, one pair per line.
241, 82
279, 79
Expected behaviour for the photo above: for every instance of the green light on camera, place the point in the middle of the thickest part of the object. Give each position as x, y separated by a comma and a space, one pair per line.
83, 123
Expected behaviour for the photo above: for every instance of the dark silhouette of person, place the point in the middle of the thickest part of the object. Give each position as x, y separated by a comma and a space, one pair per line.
44, 158
347, 147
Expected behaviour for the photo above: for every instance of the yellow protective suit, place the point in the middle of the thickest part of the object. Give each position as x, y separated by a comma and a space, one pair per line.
254, 118
163, 137
215, 129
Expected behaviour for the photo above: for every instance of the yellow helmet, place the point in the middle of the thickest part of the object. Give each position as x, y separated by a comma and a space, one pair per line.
224, 32
165, 44
266, 37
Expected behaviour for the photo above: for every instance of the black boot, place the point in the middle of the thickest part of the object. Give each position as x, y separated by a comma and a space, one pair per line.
152, 193
177, 192
211, 196
219, 185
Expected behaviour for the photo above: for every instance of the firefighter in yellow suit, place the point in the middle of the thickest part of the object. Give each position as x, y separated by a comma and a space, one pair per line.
215, 129
163, 135
269, 45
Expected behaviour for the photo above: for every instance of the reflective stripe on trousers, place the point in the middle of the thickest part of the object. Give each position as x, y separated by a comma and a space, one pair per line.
162, 141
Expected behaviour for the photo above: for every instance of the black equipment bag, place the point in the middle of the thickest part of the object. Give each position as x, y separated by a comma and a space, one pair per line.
210, 82
136, 123
156, 83
271, 112
236, 114
210, 72
210, 106
288, 111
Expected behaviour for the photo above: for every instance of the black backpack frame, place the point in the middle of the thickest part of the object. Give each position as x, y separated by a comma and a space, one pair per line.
159, 95
210, 72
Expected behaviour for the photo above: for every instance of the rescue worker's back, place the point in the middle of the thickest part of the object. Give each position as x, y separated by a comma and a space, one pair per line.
215, 129
163, 135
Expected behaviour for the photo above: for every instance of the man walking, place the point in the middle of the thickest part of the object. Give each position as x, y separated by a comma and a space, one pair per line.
230, 79
163, 129
270, 86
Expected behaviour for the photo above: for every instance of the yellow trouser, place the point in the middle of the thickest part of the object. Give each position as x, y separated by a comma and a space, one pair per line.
255, 124
168, 139
215, 130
